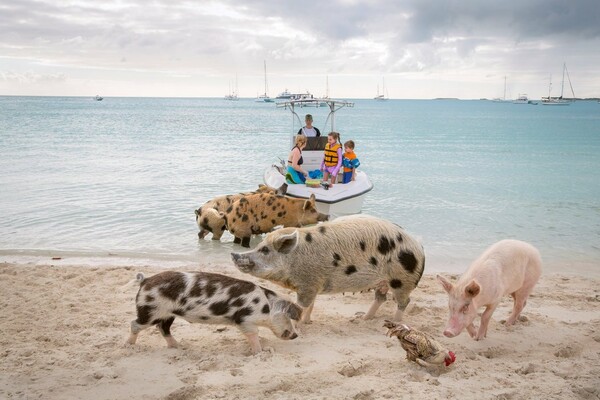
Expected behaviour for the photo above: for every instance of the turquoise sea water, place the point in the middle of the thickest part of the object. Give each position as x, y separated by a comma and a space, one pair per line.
100, 182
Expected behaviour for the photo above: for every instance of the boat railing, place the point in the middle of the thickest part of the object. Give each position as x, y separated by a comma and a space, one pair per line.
333, 104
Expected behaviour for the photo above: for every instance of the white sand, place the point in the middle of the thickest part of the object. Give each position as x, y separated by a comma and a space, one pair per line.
64, 327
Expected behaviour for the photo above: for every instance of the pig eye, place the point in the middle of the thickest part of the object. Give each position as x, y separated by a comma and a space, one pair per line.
264, 250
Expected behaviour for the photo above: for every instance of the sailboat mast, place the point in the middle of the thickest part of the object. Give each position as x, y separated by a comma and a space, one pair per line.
265, 62
562, 85
504, 98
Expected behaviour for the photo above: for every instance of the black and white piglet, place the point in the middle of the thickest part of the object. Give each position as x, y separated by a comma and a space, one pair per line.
211, 299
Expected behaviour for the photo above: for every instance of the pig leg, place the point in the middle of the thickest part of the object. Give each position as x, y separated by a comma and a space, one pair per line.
251, 334
164, 326
137, 325
246, 241
237, 240
380, 298
485, 320
472, 330
136, 328
520, 299
306, 300
402, 299
306, 314
202, 233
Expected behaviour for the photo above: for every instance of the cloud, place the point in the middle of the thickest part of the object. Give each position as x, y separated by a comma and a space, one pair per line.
351, 37
31, 78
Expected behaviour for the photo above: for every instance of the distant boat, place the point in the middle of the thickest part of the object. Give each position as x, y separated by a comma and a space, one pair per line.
503, 99
98, 98
264, 98
285, 95
383, 96
522, 99
559, 101
232, 96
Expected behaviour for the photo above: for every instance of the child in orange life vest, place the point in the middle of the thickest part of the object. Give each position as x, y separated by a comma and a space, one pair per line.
332, 160
350, 162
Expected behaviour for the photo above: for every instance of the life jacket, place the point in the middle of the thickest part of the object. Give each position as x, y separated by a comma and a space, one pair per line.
331, 155
348, 161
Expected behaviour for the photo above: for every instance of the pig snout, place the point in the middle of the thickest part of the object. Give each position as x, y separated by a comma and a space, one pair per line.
323, 217
449, 333
453, 328
287, 335
243, 263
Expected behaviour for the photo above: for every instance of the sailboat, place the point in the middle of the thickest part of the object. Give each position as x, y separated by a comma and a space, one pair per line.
233, 96
264, 98
559, 101
326, 96
383, 95
503, 99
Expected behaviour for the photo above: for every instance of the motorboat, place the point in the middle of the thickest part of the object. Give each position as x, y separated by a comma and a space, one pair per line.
337, 200
522, 99
286, 94
98, 98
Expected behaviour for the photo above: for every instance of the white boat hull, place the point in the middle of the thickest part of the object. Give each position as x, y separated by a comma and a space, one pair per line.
341, 199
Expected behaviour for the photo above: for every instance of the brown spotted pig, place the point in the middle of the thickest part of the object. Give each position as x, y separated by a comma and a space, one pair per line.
349, 254
211, 216
260, 213
211, 299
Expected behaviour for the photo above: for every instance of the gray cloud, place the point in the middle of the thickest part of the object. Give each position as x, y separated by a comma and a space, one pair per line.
310, 37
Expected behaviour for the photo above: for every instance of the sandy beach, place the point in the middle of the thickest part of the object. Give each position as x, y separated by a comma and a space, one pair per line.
64, 327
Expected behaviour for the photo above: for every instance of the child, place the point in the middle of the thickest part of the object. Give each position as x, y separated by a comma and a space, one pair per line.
350, 162
332, 160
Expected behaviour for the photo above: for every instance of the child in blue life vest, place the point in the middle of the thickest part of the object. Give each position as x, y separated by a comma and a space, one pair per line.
332, 159
350, 162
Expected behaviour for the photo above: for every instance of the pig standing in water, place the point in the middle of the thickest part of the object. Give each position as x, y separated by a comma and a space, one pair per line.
349, 254
507, 267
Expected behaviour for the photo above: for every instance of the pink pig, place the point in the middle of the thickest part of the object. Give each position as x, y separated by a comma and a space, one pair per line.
507, 267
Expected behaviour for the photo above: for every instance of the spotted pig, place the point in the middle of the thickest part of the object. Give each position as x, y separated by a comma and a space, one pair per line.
211, 216
260, 213
211, 299
349, 254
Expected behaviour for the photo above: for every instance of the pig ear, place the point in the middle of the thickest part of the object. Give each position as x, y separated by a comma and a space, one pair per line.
198, 211
310, 201
286, 243
472, 289
445, 283
294, 311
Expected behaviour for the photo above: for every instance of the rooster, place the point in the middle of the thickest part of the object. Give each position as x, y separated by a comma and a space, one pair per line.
420, 347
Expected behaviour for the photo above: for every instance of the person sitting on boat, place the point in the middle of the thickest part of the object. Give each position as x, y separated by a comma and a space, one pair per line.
350, 162
332, 160
295, 173
308, 130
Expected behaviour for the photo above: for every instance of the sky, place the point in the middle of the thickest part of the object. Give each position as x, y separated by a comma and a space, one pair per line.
417, 49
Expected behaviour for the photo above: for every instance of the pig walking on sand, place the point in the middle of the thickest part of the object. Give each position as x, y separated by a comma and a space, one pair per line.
349, 254
507, 267
211, 299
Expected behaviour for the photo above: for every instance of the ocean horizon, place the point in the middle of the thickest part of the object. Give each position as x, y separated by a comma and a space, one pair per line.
116, 182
